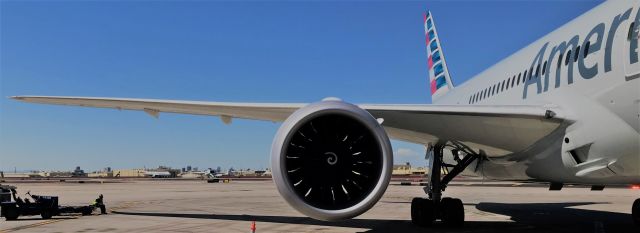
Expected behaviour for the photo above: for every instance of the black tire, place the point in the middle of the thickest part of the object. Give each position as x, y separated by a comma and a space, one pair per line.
452, 211
422, 212
46, 214
87, 211
416, 210
635, 212
11, 213
429, 215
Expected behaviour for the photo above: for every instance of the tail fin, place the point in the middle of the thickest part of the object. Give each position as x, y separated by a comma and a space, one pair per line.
438, 72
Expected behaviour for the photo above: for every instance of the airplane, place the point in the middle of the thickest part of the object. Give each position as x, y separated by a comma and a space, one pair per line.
564, 110
155, 174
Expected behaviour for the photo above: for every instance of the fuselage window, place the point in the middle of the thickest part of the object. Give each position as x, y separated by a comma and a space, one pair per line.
575, 56
586, 49
508, 82
493, 90
568, 58
519, 75
544, 68
524, 78
502, 88
530, 73
537, 71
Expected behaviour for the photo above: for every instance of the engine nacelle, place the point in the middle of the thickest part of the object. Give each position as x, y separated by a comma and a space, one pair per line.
331, 160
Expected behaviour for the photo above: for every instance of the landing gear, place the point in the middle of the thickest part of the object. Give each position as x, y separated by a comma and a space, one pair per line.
452, 211
635, 212
424, 211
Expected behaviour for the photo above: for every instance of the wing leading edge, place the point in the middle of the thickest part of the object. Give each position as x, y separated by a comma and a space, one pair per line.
497, 130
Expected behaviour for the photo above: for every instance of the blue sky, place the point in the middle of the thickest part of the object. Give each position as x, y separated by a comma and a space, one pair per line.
263, 51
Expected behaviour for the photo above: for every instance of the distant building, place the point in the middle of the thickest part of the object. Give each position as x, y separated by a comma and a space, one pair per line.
406, 169
21, 175
192, 175
129, 173
101, 174
78, 172
58, 174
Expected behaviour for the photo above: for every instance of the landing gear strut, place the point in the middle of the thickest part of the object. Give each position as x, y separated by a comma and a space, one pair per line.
424, 211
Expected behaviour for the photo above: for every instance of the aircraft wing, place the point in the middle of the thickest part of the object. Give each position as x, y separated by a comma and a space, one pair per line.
497, 130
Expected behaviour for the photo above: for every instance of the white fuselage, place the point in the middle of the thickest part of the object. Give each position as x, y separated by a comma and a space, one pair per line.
600, 92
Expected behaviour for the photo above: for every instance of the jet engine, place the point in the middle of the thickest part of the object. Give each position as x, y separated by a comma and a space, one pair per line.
331, 160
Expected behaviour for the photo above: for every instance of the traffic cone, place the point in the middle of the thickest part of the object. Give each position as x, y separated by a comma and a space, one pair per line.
253, 227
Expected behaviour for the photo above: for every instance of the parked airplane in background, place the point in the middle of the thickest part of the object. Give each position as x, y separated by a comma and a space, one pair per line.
565, 109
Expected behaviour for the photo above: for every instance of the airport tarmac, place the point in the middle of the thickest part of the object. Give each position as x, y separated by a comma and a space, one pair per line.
197, 206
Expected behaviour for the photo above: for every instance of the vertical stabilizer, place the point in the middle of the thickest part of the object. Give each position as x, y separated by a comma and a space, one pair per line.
439, 78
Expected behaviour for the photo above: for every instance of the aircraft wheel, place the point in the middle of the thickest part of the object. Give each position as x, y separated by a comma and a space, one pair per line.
452, 211
422, 212
635, 212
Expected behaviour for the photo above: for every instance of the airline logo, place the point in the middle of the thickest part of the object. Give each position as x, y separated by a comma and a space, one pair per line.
435, 62
557, 61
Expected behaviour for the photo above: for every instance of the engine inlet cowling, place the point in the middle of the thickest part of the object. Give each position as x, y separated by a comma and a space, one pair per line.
331, 160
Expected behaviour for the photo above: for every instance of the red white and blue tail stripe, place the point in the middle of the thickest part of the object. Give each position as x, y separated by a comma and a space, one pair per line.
438, 73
